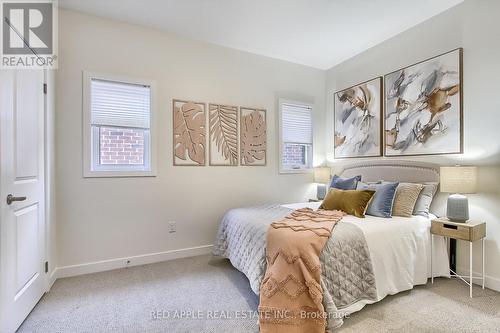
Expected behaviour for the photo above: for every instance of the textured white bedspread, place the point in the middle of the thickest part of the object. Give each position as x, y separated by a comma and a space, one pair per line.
400, 250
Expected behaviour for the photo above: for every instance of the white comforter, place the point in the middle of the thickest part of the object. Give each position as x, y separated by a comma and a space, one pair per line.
401, 260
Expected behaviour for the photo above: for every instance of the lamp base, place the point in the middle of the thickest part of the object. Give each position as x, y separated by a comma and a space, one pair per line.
457, 208
321, 191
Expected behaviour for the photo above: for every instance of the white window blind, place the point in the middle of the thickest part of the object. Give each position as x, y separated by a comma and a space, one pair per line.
120, 104
296, 140
119, 136
296, 123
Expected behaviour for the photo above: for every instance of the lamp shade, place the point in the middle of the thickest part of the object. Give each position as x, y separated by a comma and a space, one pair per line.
458, 179
321, 175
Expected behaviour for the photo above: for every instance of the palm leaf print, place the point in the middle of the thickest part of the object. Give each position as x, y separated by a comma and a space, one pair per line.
224, 131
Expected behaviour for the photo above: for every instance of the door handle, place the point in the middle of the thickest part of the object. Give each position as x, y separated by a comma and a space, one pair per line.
11, 199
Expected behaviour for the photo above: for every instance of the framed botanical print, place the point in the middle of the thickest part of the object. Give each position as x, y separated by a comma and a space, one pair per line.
223, 135
357, 120
253, 137
189, 133
423, 107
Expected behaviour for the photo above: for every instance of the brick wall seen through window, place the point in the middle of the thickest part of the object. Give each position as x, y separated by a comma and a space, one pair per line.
294, 155
121, 146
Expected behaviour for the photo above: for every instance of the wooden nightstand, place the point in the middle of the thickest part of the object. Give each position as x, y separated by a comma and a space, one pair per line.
470, 231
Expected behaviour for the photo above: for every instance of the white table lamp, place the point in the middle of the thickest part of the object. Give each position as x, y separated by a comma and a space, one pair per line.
458, 180
321, 176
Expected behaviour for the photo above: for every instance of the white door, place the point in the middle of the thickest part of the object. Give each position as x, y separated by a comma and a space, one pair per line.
22, 222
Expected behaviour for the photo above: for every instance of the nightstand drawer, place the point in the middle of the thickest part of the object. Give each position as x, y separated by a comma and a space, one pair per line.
451, 230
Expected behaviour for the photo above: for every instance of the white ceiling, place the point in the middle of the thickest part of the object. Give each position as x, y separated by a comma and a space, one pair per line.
317, 33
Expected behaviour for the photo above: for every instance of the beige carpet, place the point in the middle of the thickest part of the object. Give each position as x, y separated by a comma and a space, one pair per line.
221, 301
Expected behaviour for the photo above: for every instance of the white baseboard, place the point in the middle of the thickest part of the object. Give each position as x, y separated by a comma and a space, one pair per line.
150, 258
52, 278
489, 281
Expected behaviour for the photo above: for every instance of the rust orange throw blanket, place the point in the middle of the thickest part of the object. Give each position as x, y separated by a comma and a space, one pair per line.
290, 294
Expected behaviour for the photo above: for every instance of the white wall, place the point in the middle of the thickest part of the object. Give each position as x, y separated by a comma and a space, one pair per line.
101, 219
474, 26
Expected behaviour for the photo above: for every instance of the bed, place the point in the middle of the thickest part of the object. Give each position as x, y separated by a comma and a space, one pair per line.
365, 260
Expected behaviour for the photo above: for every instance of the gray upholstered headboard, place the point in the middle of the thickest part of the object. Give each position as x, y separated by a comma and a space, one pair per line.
393, 170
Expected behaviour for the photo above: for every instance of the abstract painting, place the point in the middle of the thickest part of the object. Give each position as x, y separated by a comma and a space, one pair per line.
253, 136
223, 132
357, 124
189, 132
423, 107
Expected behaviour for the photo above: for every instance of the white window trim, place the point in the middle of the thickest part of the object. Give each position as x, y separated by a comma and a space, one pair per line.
282, 101
88, 172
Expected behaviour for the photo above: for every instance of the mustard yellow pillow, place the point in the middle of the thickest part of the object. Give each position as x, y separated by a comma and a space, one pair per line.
352, 202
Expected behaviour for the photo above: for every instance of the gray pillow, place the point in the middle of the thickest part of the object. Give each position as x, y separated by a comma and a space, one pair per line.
425, 199
345, 183
381, 203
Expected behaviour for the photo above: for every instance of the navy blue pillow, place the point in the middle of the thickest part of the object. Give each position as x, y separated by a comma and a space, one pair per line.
382, 200
345, 183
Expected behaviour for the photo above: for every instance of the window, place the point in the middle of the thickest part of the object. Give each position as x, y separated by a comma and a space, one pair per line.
295, 137
118, 133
